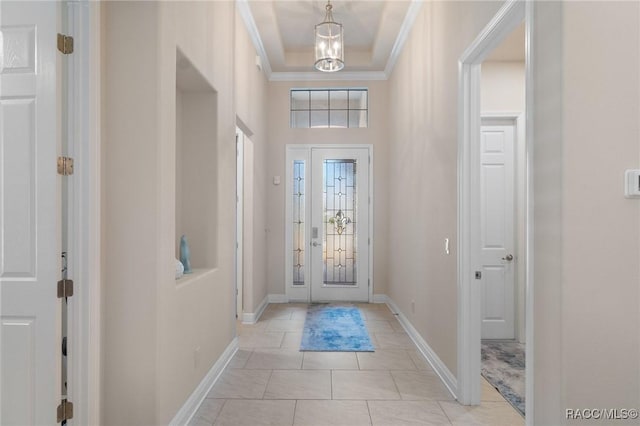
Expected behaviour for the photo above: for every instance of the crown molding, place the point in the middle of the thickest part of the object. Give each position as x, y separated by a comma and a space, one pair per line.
403, 34
245, 12
328, 76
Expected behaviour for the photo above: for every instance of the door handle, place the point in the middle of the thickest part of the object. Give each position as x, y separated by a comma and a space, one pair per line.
508, 258
315, 244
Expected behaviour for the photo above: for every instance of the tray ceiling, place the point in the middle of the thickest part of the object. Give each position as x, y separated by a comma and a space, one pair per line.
374, 32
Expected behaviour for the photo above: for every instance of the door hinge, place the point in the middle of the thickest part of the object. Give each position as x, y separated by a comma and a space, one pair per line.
65, 410
65, 166
368, 282
65, 288
65, 44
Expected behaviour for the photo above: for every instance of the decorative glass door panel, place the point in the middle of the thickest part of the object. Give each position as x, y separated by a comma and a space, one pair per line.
339, 224
339, 234
298, 223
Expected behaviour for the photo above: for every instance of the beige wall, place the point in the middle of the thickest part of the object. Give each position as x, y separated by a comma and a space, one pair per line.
251, 108
161, 337
587, 235
130, 218
280, 134
502, 88
423, 169
601, 228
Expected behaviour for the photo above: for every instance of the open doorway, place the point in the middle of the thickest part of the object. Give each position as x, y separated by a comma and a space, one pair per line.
501, 247
244, 223
494, 200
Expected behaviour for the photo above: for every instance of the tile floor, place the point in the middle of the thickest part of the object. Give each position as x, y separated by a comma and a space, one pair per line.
270, 382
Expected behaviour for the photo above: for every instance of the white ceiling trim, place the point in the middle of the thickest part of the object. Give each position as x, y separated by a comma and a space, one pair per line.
328, 76
403, 34
250, 23
245, 12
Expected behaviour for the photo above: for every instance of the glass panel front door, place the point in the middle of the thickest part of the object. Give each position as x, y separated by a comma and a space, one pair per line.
340, 224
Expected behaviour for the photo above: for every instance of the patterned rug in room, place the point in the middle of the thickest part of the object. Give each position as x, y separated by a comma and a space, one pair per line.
335, 328
503, 367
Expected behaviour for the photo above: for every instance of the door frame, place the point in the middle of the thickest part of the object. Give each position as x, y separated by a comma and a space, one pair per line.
84, 330
508, 18
239, 222
304, 150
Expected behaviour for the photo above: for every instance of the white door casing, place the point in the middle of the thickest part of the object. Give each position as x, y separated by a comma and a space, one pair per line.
29, 214
239, 219
248, 232
497, 228
339, 237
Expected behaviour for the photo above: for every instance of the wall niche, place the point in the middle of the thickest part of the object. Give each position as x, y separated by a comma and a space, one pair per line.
196, 165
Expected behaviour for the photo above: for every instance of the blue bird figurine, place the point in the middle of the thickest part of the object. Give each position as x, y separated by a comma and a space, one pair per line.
185, 255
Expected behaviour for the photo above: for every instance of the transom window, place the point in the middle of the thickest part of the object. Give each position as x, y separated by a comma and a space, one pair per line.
333, 108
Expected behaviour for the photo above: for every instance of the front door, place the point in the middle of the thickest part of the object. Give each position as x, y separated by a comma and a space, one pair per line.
339, 238
328, 218
30, 338
497, 226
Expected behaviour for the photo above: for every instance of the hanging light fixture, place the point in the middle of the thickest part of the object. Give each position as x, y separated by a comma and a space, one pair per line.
329, 43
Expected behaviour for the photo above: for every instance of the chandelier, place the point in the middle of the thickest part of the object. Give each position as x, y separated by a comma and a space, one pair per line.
329, 43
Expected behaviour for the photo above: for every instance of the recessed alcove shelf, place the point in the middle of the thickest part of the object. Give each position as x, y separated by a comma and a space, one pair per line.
196, 275
196, 188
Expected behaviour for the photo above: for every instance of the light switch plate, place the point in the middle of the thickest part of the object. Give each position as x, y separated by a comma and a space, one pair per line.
632, 183
276, 180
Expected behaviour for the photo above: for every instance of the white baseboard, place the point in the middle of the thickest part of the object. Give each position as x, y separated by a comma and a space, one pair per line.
380, 298
191, 405
278, 298
436, 363
253, 317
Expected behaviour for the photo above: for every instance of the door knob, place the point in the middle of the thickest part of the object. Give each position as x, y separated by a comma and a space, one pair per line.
508, 258
315, 244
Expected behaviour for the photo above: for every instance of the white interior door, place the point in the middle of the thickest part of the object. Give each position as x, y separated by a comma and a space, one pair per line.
497, 236
29, 216
339, 236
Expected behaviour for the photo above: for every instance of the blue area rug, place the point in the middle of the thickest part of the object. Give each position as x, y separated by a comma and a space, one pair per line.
335, 328
503, 367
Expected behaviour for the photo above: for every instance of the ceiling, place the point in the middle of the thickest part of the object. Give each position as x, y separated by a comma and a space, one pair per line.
283, 33
512, 49
374, 31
